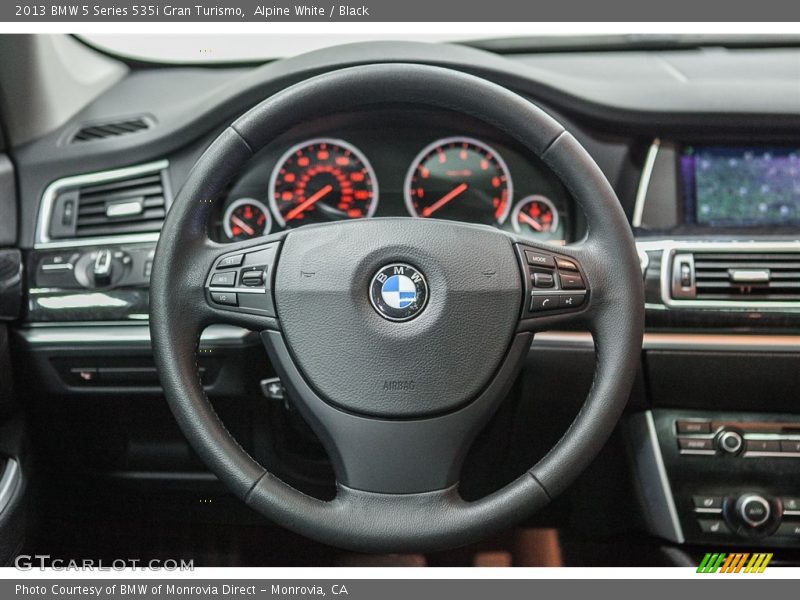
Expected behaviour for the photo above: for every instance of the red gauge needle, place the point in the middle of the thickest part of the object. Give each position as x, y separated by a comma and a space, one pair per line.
530, 221
311, 200
244, 226
429, 210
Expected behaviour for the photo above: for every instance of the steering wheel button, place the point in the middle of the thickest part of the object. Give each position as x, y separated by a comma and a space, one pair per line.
543, 302
566, 265
234, 260
570, 300
226, 298
226, 279
571, 281
253, 278
539, 260
543, 280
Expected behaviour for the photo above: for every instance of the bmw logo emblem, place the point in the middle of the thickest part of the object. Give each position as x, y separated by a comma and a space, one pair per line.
398, 292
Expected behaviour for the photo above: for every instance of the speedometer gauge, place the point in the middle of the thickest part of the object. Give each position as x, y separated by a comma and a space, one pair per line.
462, 179
322, 180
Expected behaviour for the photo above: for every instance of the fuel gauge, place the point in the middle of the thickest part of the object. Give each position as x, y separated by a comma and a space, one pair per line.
535, 214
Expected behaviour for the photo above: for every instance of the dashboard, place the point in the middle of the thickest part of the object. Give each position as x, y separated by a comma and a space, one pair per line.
396, 162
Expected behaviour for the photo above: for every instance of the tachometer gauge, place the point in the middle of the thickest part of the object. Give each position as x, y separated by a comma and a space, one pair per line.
322, 180
246, 218
535, 214
461, 179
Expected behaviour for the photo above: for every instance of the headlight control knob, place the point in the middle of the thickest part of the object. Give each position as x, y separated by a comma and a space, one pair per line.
101, 270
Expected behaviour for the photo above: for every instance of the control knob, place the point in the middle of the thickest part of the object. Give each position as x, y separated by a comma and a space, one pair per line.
730, 442
754, 510
102, 268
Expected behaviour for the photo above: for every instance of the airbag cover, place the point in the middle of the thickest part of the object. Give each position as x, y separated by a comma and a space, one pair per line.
358, 360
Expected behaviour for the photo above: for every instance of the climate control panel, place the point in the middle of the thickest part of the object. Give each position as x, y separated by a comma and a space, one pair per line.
726, 478
748, 515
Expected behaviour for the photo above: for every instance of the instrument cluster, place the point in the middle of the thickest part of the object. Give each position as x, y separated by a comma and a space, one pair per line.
421, 164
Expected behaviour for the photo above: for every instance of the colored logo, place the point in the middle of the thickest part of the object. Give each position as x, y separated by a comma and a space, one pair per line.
398, 292
734, 563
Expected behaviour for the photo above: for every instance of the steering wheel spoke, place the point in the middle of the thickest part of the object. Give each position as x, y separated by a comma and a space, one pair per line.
395, 456
239, 284
557, 291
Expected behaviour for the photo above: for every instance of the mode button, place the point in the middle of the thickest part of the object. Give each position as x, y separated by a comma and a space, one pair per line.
538, 259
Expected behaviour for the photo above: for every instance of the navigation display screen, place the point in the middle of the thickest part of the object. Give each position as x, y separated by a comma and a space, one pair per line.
741, 187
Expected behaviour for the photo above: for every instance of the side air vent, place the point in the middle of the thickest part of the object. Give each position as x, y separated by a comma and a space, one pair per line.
736, 276
101, 131
124, 202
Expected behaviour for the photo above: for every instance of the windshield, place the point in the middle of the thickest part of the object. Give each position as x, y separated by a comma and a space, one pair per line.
498, 37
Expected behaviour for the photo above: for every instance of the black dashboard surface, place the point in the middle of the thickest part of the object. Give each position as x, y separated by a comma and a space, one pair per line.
601, 92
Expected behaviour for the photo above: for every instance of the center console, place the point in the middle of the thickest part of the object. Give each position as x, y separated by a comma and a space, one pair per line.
717, 451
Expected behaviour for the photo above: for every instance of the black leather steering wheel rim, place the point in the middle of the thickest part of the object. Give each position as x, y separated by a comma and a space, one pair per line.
368, 520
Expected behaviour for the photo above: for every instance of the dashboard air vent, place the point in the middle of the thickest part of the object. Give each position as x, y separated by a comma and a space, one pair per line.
128, 201
737, 276
100, 131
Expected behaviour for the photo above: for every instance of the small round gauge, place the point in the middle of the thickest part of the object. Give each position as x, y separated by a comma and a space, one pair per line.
322, 180
535, 214
462, 179
246, 218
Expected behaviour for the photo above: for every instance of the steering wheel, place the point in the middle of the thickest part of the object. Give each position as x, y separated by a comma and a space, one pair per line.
396, 338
